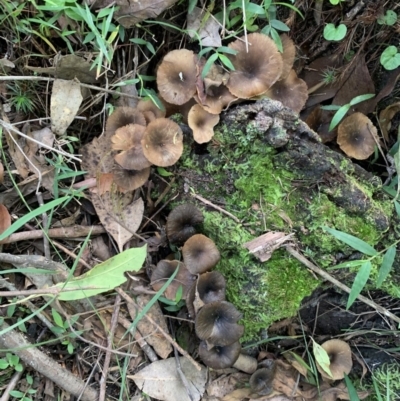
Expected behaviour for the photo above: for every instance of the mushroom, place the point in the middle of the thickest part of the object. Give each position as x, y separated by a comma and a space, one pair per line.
202, 123
181, 222
261, 380
123, 116
226, 357
176, 76
129, 180
163, 142
257, 69
357, 136
146, 105
216, 99
200, 254
128, 139
292, 92
216, 323
288, 55
164, 270
339, 353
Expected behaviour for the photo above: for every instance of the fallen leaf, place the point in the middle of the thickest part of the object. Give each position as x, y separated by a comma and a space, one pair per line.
225, 384
385, 118
1, 173
97, 157
161, 380
44, 136
5, 219
238, 394
65, 100
208, 31
119, 215
15, 145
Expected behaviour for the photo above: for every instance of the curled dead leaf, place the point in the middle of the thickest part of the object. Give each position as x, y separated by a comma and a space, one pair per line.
5, 219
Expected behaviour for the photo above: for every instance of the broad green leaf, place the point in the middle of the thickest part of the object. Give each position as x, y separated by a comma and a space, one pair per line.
350, 263
397, 207
29, 216
226, 62
300, 360
138, 41
253, 8
3, 364
361, 98
356, 243
387, 263
359, 282
390, 18
204, 51
192, 5
279, 25
277, 39
226, 49
16, 394
351, 389
208, 64
322, 357
331, 32
338, 117
330, 107
103, 277
57, 318
163, 172
390, 58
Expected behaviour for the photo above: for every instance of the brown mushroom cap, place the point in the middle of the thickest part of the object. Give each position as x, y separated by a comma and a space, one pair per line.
200, 254
128, 139
145, 105
339, 353
288, 55
164, 270
129, 180
256, 70
163, 142
219, 357
202, 123
181, 222
176, 76
261, 379
216, 323
216, 99
356, 136
292, 92
123, 116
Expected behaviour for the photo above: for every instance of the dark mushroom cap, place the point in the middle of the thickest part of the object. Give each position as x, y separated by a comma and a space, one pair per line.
164, 270
146, 105
129, 180
200, 254
128, 139
288, 55
339, 353
261, 380
181, 222
123, 116
216, 99
202, 123
176, 76
256, 70
356, 136
216, 323
219, 357
163, 142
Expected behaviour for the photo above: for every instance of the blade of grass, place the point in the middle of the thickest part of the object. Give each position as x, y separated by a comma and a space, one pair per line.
359, 282
387, 263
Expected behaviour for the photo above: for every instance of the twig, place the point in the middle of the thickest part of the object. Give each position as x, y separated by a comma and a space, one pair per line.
110, 337
208, 203
343, 287
45, 222
11, 385
128, 299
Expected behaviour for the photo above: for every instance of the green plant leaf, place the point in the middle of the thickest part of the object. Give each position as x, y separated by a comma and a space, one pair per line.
226, 62
350, 263
351, 389
387, 263
390, 18
338, 117
4, 364
163, 172
208, 64
390, 58
376, 387
397, 207
16, 394
192, 5
330, 107
361, 98
359, 282
279, 25
103, 277
322, 357
228, 50
57, 318
24, 219
331, 32
356, 243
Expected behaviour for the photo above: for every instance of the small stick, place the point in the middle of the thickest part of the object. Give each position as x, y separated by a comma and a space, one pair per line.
11, 385
69, 253
128, 299
208, 203
343, 287
45, 221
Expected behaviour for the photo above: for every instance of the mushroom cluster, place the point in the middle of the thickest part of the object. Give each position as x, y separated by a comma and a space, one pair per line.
216, 320
260, 70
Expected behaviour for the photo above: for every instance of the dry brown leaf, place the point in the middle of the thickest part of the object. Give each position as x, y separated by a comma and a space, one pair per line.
104, 183
1, 173
97, 157
65, 100
238, 394
385, 118
15, 145
225, 384
119, 215
5, 220
208, 32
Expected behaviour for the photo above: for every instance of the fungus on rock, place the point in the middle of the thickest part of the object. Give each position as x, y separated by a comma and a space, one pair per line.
216, 323
202, 123
181, 222
200, 254
129, 180
357, 136
163, 142
128, 139
257, 69
123, 116
164, 270
176, 76
339, 353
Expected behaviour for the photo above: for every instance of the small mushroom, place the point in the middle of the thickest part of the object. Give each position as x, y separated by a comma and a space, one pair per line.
288, 55
164, 270
202, 123
216, 323
123, 116
200, 254
128, 139
181, 222
339, 353
261, 380
129, 180
216, 99
257, 69
146, 105
176, 76
163, 142
356, 135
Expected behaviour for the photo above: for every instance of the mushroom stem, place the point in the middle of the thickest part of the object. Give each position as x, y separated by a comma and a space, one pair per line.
246, 363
